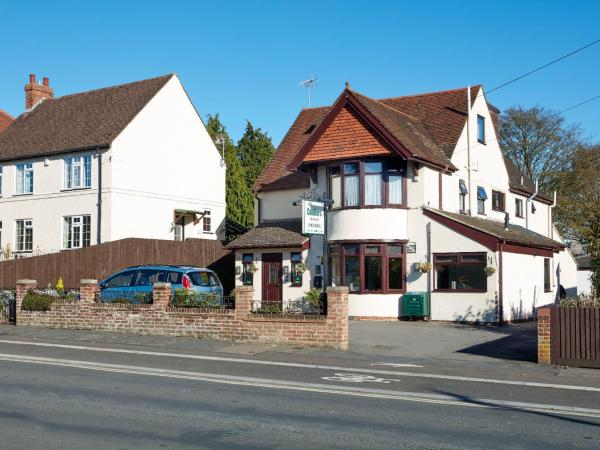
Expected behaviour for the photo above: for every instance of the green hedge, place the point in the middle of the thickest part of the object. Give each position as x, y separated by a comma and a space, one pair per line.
190, 299
35, 301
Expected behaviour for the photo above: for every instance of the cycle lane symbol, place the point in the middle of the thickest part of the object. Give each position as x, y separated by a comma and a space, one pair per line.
357, 378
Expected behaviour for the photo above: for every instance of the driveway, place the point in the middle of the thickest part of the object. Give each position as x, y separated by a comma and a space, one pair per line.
434, 340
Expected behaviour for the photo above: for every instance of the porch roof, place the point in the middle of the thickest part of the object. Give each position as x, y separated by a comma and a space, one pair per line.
275, 234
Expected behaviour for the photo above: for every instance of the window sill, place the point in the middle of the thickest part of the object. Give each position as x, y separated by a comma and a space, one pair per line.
498, 210
23, 195
519, 217
481, 142
295, 285
461, 291
76, 189
342, 208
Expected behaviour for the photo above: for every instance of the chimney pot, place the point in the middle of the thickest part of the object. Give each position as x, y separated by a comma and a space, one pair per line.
46, 81
32, 78
35, 93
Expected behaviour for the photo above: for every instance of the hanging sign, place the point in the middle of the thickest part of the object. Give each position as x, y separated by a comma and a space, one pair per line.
313, 217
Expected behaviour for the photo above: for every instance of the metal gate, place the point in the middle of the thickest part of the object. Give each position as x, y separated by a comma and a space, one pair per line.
9, 311
575, 336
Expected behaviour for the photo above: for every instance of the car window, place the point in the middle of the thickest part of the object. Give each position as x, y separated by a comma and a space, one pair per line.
122, 279
214, 281
147, 277
199, 278
173, 277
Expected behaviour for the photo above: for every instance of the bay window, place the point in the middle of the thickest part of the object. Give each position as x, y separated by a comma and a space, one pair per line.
78, 172
76, 232
24, 235
368, 267
461, 272
367, 183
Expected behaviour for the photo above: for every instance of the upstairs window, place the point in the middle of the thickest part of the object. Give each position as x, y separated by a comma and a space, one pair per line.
78, 172
24, 179
497, 201
206, 222
481, 198
76, 232
462, 196
367, 184
518, 207
24, 237
546, 274
481, 129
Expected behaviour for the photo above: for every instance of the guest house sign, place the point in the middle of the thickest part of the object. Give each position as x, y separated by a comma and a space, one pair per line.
313, 217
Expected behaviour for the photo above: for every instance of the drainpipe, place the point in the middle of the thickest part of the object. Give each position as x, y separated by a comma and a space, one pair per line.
500, 287
528, 204
469, 146
550, 227
99, 214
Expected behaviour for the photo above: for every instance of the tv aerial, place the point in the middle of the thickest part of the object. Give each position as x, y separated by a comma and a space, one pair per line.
309, 83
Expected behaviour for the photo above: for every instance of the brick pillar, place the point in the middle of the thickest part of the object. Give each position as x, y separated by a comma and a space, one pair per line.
161, 295
87, 291
22, 287
544, 336
337, 314
243, 299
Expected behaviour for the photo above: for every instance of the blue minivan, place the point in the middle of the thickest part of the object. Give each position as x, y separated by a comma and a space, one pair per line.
135, 283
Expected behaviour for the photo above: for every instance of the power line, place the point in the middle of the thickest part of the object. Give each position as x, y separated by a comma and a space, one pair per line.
580, 104
543, 67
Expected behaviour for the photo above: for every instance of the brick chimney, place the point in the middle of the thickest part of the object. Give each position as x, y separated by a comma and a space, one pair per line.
35, 93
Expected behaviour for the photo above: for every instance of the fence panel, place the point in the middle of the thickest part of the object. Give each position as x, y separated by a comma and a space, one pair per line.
576, 336
99, 261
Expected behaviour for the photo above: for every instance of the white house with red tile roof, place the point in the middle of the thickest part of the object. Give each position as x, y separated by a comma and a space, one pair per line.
411, 182
133, 160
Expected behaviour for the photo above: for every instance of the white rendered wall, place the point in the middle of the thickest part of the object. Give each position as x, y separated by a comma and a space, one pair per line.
584, 282
50, 202
278, 205
165, 160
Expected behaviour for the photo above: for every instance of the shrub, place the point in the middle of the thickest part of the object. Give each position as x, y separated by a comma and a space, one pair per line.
269, 308
37, 301
314, 299
190, 299
583, 301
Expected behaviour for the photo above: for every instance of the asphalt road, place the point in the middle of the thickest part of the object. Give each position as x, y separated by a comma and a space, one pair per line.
70, 394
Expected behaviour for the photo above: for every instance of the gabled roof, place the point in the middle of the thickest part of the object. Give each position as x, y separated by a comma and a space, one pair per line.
402, 133
521, 184
5, 120
79, 121
438, 117
514, 234
274, 234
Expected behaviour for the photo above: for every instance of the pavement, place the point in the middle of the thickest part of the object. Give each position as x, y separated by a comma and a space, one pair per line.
401, 385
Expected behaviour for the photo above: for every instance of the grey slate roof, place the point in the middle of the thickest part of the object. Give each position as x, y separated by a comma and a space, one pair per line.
275, 234
78, 121
515, 234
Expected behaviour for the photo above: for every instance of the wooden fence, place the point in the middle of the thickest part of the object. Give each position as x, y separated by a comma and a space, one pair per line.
99, 261
575, 336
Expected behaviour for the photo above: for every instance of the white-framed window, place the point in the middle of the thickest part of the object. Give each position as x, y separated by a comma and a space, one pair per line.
76, 232
206, 222
481, 129
24, 178
481, 198
462, 196
24, 235
78, 172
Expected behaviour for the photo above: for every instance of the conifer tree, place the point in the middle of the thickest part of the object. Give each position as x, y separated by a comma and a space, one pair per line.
255, 150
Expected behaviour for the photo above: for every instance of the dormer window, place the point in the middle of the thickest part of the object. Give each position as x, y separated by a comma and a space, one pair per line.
481, 129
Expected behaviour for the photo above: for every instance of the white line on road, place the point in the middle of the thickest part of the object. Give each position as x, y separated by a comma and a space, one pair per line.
307, 387
310, 366
395, 365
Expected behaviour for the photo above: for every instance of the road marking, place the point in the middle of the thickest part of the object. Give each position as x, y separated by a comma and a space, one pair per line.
306, 387
394, 365
312, 366
357, 378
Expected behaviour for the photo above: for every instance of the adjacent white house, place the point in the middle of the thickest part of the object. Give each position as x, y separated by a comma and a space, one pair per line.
133, 160
410, 182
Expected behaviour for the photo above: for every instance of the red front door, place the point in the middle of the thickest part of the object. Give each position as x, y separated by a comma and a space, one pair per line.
271, 280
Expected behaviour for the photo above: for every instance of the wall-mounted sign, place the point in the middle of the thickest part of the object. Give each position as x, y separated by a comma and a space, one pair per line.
411, 247
313, 217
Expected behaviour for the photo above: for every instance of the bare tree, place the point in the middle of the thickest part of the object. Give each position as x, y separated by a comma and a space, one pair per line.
538, 141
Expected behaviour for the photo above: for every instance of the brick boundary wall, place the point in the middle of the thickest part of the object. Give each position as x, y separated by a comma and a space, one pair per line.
160, 318
544, 335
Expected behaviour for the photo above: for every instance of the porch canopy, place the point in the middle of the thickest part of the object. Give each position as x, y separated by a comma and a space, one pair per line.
274, 234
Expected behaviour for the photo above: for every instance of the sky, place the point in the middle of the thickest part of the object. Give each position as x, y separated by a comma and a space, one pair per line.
245, 60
